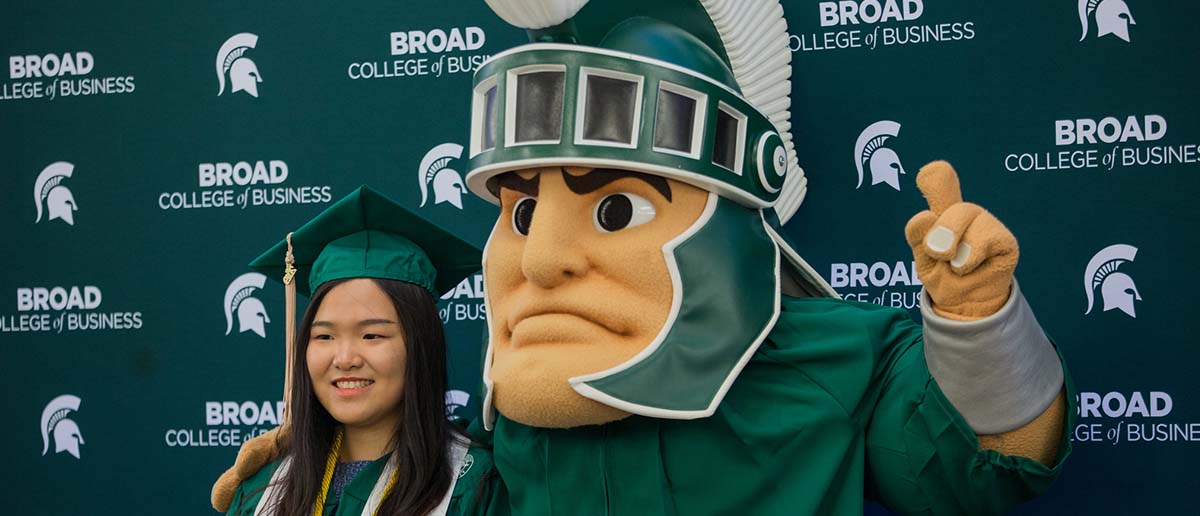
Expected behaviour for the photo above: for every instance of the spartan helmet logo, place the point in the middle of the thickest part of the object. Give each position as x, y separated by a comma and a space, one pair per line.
456, 400
251, 314
1116, 288
882, 161
447, 183
243, 73
49, 192
1112, 17
54, 422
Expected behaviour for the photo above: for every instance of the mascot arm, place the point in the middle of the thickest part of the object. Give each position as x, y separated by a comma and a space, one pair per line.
253, 455
983, 345
1003, 375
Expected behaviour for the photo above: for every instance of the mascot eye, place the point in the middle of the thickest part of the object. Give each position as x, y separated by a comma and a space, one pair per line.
620, 211
523, 215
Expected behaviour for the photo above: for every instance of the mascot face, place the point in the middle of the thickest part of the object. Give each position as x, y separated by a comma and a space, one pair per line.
578, 282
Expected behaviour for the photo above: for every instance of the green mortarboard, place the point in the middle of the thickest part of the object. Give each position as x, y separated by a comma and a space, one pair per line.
367, 235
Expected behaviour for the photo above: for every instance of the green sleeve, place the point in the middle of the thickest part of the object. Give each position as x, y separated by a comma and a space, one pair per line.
250, 491
235, 508
479, 490
923, 458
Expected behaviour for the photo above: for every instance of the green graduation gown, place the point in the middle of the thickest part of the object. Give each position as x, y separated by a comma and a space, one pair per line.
354, 495
835, 407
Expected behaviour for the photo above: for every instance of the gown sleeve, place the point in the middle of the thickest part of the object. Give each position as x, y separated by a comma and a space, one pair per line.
479, 490
923, 457
235, 507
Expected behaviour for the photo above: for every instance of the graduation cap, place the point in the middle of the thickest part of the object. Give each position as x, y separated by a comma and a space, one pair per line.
367, 235
364, 235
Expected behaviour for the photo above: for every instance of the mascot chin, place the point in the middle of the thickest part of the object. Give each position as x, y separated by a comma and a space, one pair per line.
658, 346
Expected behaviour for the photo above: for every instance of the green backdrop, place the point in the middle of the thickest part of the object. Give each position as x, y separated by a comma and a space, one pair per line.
116, 276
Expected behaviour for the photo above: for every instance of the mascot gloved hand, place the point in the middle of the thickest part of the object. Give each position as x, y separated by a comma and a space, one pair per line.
253, 455
966, 258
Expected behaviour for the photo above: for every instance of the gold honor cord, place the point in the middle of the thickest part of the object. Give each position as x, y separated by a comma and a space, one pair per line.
330, 464
327, 478
289, 332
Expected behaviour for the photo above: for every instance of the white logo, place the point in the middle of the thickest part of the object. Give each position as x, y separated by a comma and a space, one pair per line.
1109, 129
1112, 17
1116, 288
464, 302
231, 60
468, 461
447, 183
54, 422
50, 65
893, 284
51, 76
1117, 404
455, 400
51, 194
419, 53
870, 152
869, 11
243, 173
58, 309
251, 314
1136, 418
228, 423
874, 24
1106, 143
437, 41
265, 181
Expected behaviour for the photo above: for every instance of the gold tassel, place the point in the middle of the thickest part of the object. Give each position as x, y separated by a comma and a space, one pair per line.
289, 332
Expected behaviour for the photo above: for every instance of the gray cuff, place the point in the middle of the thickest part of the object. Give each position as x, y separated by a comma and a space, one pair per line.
999, 372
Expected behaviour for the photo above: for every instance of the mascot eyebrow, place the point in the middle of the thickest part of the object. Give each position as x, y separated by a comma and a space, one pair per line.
584, 184
512, 181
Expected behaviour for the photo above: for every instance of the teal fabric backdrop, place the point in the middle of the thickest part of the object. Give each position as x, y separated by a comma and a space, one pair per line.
159, 165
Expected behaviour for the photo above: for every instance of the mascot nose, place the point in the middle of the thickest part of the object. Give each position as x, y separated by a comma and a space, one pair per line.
552, 254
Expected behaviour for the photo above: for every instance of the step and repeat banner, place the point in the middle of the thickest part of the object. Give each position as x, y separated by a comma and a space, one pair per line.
150, 150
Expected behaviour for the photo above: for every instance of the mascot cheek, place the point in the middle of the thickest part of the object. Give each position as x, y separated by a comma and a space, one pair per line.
605, 315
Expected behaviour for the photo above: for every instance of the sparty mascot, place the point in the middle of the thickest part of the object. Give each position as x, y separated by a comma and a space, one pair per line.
656, 344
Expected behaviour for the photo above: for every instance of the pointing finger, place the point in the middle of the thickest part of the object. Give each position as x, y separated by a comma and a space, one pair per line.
939, 184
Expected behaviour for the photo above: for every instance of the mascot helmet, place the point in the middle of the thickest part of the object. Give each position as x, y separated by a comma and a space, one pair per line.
693, 90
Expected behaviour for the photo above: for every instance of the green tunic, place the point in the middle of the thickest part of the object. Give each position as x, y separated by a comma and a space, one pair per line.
837, 406
354, 495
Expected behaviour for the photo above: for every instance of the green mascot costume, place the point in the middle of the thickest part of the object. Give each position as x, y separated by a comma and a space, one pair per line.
656, 344
658, 347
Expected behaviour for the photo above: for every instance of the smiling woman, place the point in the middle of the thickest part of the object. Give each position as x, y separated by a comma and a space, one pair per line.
366, 431
374, 354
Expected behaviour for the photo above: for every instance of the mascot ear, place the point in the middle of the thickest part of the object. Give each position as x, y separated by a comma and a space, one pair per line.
717, 321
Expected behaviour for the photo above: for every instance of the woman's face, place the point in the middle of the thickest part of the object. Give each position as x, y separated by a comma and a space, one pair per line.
356, 355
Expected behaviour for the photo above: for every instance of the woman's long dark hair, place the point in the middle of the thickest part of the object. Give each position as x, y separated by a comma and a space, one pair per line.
423, 436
